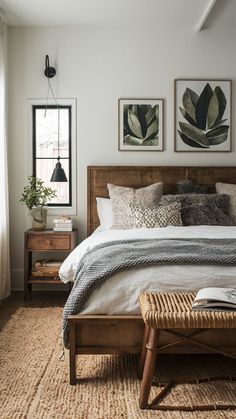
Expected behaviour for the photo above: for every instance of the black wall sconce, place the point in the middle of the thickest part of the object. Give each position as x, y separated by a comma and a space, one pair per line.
58, 174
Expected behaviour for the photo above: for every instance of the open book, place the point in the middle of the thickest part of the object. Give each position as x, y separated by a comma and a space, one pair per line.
215, 299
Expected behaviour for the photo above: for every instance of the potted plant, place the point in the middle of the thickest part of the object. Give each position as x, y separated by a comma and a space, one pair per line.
36, 196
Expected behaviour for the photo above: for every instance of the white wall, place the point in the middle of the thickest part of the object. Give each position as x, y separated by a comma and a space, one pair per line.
97, 66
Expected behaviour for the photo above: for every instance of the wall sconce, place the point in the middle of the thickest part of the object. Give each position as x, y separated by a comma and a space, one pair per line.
58, 174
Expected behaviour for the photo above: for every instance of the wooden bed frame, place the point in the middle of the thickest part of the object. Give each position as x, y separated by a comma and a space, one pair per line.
103, 334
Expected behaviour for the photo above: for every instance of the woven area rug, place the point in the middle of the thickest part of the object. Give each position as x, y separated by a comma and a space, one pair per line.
34, 380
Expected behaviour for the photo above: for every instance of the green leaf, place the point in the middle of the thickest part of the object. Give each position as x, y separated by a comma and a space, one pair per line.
202, 106
219, 123
187, 117
218, 139
154, 135
130, 140
36, 194
141, 117
216, 131
218, 135
222, 101
194, 96
189, 100
150, 115
190, 142
213, 111
194, 133
154, 127
153, 142
134, 124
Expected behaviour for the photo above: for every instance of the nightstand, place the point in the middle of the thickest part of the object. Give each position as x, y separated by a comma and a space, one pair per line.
45, 241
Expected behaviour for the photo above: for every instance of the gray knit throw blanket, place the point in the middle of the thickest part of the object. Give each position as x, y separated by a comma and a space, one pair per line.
103, 261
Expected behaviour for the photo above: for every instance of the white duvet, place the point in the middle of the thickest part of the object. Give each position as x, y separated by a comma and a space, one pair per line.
119, 294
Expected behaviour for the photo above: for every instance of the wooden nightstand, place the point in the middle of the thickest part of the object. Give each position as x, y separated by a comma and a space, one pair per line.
45, 241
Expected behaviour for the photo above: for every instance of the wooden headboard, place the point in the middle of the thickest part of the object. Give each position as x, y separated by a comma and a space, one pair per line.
139, 176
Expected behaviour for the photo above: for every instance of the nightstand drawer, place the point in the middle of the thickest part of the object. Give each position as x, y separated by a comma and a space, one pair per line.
38, 242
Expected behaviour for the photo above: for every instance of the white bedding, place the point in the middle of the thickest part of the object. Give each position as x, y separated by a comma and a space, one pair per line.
119, 294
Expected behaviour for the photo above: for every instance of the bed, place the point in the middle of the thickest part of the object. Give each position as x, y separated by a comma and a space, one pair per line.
116, 326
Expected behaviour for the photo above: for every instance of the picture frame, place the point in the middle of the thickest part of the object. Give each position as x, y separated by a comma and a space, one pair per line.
141, 124
203, 115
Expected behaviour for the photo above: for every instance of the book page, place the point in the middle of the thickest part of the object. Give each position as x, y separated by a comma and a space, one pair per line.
219, 294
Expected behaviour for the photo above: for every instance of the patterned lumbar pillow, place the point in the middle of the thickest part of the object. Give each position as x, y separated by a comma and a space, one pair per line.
229, 189
122, 197
162, 216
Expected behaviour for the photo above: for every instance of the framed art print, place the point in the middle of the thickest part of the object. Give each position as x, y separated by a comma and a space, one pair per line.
203, 120
141, 124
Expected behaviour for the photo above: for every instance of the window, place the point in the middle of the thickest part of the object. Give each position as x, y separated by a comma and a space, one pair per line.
45, 123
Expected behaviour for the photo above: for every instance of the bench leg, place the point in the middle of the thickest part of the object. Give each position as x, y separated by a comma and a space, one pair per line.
149, 368
143, 351
72, 354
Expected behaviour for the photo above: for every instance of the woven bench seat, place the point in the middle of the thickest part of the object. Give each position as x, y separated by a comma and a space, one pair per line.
173, 311
166, 312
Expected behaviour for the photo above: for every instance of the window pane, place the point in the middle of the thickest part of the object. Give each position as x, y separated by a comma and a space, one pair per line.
44, 170
45, 138
46, 130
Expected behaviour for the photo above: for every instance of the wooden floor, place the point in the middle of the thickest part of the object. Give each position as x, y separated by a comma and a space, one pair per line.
36, 299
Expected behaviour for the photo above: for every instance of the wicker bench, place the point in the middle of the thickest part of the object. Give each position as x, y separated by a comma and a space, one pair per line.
168, 312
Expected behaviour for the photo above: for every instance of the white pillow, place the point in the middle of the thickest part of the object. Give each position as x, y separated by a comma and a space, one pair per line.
105, 215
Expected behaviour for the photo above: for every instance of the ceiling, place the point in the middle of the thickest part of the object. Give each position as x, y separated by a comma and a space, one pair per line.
145, 13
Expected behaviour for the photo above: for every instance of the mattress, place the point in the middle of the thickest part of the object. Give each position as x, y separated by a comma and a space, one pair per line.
119, 294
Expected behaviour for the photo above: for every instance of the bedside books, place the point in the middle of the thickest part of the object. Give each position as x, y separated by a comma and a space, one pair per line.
63, 224
45, 267
215, 299
47, 264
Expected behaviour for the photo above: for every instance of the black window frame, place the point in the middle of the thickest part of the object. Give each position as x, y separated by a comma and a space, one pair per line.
69, 158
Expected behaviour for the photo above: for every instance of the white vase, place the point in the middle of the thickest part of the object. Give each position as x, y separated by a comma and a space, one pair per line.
39, 215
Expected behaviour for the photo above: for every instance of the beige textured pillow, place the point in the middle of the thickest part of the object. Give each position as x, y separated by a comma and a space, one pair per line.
122, 197
228, 189
162, 216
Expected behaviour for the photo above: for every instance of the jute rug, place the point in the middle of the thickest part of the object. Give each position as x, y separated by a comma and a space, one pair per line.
34, 381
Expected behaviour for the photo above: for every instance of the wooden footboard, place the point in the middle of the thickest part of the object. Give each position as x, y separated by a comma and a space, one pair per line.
101, 334
98, 334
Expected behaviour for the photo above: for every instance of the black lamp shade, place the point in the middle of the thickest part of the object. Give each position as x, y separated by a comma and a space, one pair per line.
58, 174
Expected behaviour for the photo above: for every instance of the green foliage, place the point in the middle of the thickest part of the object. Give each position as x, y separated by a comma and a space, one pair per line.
203, 113
141, 124
35, 194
